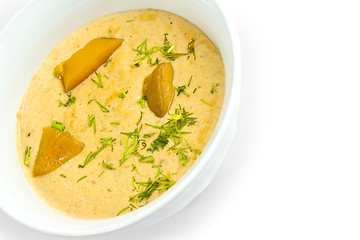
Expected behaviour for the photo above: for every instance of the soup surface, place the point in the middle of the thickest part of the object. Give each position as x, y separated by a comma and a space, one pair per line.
136, 160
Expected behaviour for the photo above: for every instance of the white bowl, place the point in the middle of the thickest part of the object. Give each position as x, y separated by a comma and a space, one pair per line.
25, 43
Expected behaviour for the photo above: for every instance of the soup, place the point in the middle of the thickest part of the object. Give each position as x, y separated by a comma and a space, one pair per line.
133, 127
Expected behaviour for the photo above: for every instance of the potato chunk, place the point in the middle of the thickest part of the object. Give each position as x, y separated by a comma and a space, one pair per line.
55, 149
85, 61
159, 90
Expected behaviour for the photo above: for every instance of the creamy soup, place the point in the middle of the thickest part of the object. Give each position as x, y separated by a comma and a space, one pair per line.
134, 161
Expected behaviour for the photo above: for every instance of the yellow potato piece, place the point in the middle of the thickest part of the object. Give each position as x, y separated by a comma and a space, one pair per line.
159, 90
85, 61
56, 148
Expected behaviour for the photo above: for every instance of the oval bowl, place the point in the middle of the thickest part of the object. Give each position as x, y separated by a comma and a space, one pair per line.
24, 44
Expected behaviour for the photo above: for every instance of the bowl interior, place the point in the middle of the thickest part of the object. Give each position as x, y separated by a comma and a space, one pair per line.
25, 43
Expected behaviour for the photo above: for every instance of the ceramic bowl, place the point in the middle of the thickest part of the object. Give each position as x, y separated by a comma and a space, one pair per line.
24, 44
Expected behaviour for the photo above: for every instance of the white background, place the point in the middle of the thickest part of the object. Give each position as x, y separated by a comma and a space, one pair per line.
293, 170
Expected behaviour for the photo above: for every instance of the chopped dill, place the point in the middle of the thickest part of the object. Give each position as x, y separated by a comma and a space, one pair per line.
181, 90
99, 83
81, 178
210, 105
160, 183
70, 101
191, 49
132, 146
160, 141
59, 126
148, 135
122, 93
134, 168
142, 49
144, 159
172, 129
102, 108
91, 121
107, 166
123, 210
132, 143
141, 116
213, 88
182, 155
141, 101
189, 81
62, 175
167, 50
91, 156
107, 62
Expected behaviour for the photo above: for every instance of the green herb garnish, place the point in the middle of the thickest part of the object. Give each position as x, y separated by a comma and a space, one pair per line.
148, 135
172, 129
143, 50
115, 123
145, 189
213, 88
194, 90
91, 121
191, 49
70, 101
122, 93
27, 156
102, 108
189, 81
144, 159
210, 105
132, 143
134, 168
181, 90
141, 116
59, 126
183, 157
107, 165
91, 156
160, 141
132, 146
81, 178
174, 125
123, 210
142, 101
134, 183
99, 83
101, 173
107, 62
167, 50
62, 175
